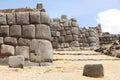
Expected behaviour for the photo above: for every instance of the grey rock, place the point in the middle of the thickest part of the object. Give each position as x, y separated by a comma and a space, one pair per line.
68, 38
93, 70
45, 19
43, 51
15, 31
4, 31
16, 61
39, 6
75, 37
55, 45
35, 17
62, 33
23, 50
74, 44
74, 30
2, 18
10, 41
64, 45
43, 32
55, 39
4, 61
61, 39
33, 44
55, 33
28, 31
74, 24
92, 39
7, 50
68, 32
63, 18
11, 18
1, 40
22, 18
24, 42
65, 24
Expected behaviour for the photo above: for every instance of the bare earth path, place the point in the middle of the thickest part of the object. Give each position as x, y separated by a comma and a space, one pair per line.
67, 65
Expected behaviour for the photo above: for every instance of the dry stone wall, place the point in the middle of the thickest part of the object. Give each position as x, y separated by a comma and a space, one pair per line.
89, 38
107, 38
28, 34
65, 33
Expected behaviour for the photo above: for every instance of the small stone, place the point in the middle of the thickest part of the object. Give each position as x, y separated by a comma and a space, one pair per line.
68, 38
74, 44
62, 33
74, 30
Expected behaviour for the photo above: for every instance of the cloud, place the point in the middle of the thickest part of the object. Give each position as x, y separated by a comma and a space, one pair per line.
110, 21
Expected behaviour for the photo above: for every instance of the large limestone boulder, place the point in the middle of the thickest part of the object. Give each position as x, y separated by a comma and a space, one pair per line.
23, 50
16, 61
93, 70
45, 19
10, 41
43, 51
7, 50
35, 17
11, 18
3, 18
15, 31
43, 32
22, 18
28, 31
4, 30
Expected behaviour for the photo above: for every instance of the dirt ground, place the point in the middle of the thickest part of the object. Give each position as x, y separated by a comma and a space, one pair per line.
67, 67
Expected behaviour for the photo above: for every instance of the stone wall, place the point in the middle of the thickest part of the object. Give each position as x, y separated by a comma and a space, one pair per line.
65, 33
89, 37
28, 34
107, 38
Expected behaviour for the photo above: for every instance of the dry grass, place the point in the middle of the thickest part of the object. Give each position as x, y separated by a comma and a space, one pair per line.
17, 10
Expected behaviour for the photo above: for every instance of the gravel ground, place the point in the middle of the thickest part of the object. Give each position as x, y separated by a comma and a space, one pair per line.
64, 69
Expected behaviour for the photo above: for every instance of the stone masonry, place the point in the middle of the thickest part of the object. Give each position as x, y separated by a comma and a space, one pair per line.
28, 34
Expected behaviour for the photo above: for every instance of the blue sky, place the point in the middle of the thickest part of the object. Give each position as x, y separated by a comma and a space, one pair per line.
85, 11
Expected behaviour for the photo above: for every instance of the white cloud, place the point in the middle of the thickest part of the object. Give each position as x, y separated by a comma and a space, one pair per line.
110, 21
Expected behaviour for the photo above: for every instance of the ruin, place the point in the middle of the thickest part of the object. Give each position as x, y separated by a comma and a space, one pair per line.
25, 33
33, 34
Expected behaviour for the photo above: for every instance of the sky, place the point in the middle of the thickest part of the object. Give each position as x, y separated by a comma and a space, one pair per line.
87, 12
